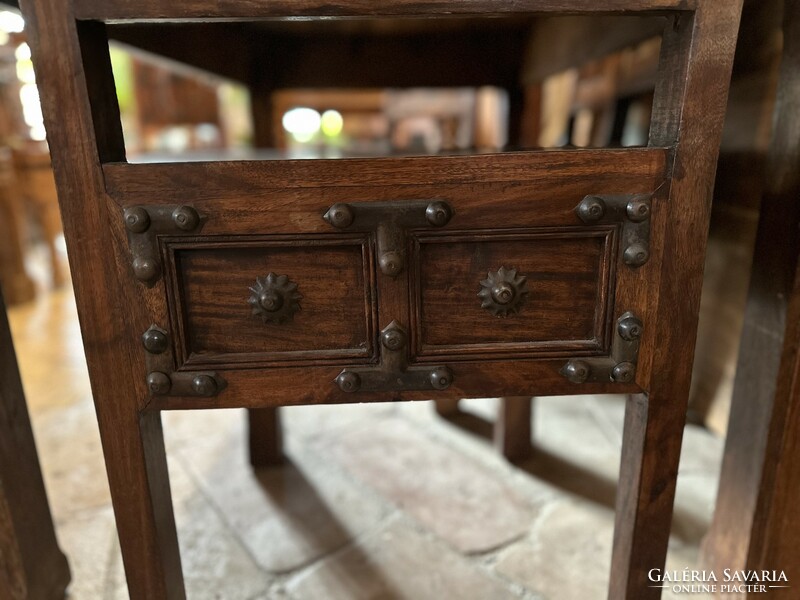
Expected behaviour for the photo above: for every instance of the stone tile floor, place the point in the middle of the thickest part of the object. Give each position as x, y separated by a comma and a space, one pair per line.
383, 501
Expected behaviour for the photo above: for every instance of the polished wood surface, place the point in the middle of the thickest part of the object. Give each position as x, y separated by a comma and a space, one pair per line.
564, 171
513, 428
489, 194
756, 523
201, 9
133, 443
32, 567
697, 70
569, 276
334, 278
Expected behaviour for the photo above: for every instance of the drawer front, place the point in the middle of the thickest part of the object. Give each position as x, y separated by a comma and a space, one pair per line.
558, 284
272, 301
395, 280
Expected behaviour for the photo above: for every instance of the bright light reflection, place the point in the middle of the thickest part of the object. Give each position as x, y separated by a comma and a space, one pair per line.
11, 22
32, 110
332, 123
302, 123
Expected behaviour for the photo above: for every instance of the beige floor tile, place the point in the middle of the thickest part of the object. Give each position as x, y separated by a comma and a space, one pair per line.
311, 421
48, 342
458, 499
568, 556
398, 563
286, 516
71, 457
90, 543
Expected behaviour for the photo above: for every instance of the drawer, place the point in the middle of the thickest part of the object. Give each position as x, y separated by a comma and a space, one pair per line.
557, 285
271, 301
395, 279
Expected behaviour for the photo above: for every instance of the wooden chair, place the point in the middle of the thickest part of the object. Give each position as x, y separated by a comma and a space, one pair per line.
18, 285
613, 241
35, 185
32, 567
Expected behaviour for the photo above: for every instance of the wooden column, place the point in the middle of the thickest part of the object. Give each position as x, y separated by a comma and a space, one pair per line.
512, 429
756, 524
266, 437
690, 100
111, 311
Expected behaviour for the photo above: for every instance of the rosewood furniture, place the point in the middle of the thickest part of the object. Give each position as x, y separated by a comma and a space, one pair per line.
756, 523
36, 187
32, 567
259, 284
17, 283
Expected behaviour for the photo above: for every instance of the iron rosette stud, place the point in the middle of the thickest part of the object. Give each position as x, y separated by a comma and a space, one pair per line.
503, 292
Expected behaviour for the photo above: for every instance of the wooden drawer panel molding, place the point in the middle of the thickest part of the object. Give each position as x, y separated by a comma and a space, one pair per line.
325, 282
569, 271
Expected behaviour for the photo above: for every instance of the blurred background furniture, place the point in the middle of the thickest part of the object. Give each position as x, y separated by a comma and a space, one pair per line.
13, 273
32, 567
756, 523
28, 197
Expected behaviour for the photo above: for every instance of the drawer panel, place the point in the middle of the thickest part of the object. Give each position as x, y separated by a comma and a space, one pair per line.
565, 307
213, 281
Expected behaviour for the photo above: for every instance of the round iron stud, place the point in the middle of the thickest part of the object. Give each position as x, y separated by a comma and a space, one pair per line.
441, 378
393, 339
503, 293
340, 215
158, 383
438, 213
154, 341
591, 209
145, 269
636, 255
391, 263
576, 371
638, 210
204, 385
270, 300
348, 381
630, 328
136, 219
623, 372
185, 218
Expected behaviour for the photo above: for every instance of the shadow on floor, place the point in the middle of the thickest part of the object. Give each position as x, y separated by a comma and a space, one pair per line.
576, 479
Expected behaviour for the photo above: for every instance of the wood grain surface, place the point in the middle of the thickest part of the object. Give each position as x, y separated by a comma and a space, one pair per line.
103, 10
566, 309
336, 321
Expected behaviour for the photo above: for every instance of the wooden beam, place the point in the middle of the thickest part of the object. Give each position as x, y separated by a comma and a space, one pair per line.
104, 10
167, 181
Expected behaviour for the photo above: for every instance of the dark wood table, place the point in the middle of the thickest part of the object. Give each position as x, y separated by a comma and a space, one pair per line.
594, 258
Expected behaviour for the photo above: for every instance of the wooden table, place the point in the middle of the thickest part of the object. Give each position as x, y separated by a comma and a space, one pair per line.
388, 260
